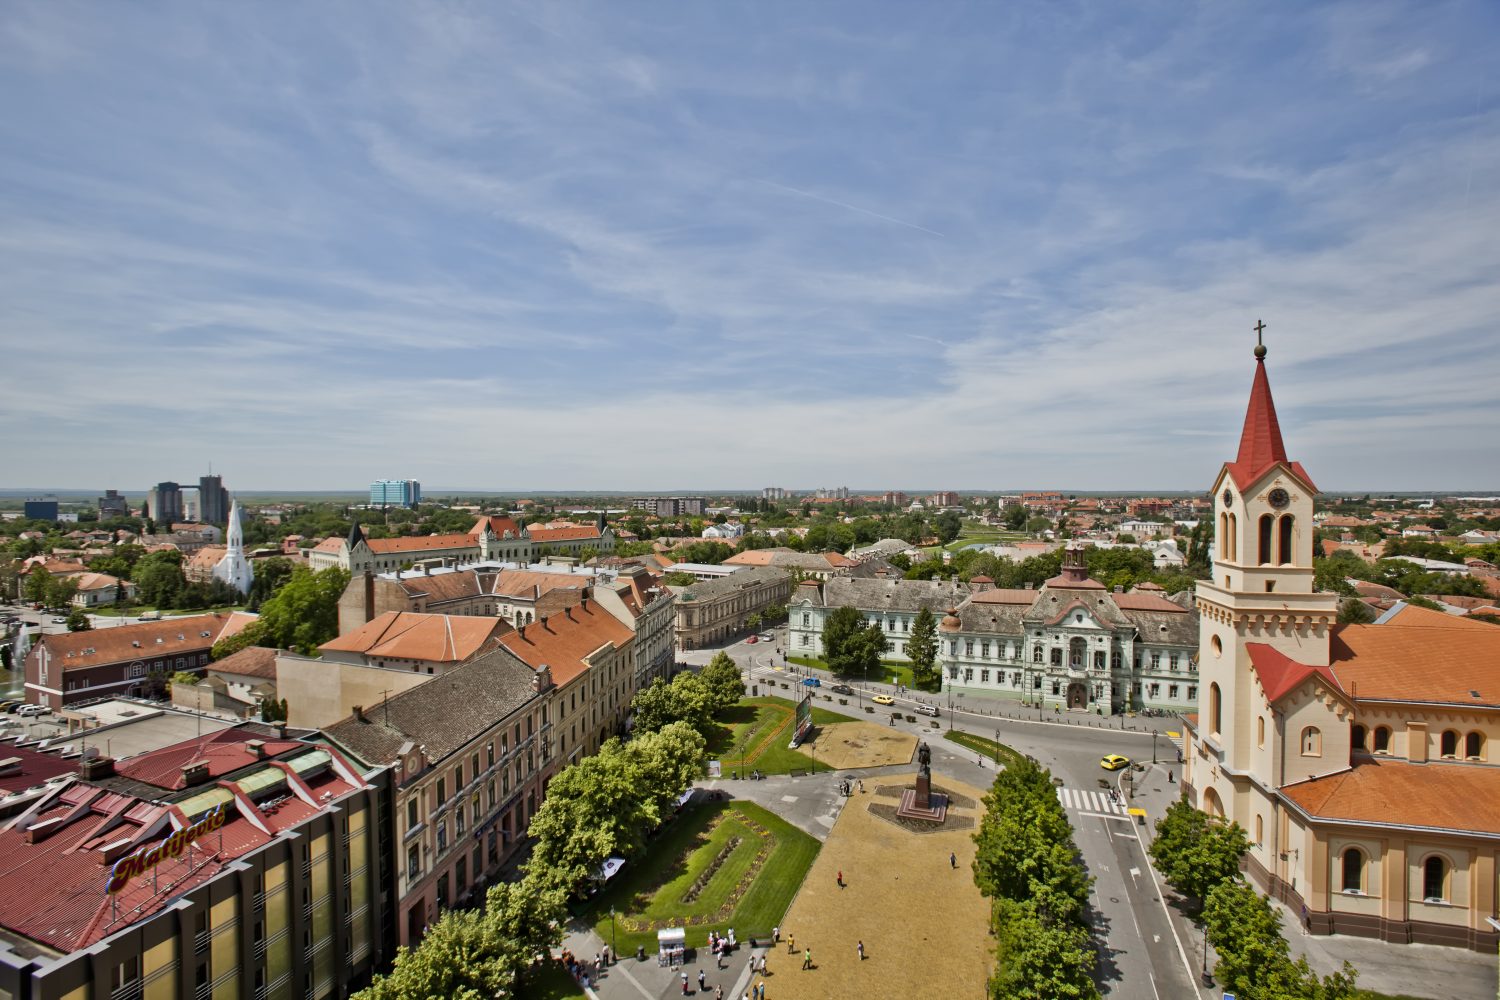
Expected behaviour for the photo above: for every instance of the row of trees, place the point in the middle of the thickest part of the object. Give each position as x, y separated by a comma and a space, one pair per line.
1200, 858
693, 698
300, 616
1111, 567
1027, 866
601, 807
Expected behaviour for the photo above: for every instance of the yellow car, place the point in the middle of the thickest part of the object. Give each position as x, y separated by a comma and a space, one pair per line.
883, 699
1113, 762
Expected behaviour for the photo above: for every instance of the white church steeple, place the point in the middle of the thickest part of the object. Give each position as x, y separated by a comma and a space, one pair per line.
234, 569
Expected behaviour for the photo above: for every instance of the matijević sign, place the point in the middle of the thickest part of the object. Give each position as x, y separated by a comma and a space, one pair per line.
147, 858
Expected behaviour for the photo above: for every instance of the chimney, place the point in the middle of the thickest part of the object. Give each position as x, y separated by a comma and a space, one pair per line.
359, 713
256, 748
1119, 588
543, 623
521, 628
91, 768
541, 678
369, 596
585, 603
195, 773
280, 728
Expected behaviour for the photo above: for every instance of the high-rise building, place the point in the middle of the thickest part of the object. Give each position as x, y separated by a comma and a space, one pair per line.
41, 508
111, 504
773, 493
213, 500
395, 493
164, 503
669, 506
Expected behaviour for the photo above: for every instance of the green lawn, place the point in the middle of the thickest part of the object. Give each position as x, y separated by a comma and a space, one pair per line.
649, 892
984, 747
891, 671
755, 734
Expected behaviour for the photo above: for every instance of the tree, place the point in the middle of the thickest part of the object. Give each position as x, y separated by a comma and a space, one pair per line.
159, 579
947, 525
1038, 960
35, 588
921, 649
1015, 517
1254, 959
1195, 853
686, 698
849, 647
723, 681
270, 574
78, 621
1038, 524
679, 579
1353, 611
301, 616
61, 590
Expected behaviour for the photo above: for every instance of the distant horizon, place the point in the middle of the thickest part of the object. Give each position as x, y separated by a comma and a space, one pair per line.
18, 493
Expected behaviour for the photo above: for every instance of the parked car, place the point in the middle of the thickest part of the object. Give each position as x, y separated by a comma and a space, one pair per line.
59, 619
7, 706
768, 637
883, 699
753, 638
150, 616
1113, 762
31, 711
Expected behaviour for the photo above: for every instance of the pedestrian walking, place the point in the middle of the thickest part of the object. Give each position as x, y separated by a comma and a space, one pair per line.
807, 959
719, 992
776, 934
762, 965
701, 982
841, 878
952, 860
791, 944
861, 948
861, 784
684, 983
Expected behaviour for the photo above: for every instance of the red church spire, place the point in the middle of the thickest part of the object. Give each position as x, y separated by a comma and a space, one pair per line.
1260, 441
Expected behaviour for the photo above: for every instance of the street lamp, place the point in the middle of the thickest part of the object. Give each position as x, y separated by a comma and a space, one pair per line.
997, 747
1153, 746
613, 949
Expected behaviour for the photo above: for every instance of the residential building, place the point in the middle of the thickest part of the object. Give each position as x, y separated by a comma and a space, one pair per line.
164, 503
1357, 757
727, 530
638, 598
356, 553
895, 498
884, 549
40, 508
1146, 529
235, 685
416, 643
199, 567
96, 590
113, 505
775, 493
467, 756
519, 595
833, 493
395, 493
239, 864
591, 658
62, 668
817, 565
573, 540
944, 498
213, 500
713, 611
892, 603
669, 506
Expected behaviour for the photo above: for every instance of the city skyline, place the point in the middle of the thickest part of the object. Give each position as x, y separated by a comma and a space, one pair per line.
854, 244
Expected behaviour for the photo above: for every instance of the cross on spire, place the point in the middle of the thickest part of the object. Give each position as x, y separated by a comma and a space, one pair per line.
1260, 346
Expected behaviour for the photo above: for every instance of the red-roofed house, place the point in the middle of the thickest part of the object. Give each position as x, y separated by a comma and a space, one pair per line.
1357, 757
239, 862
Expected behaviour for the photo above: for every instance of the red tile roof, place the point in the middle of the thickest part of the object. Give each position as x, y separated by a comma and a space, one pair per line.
1435, 796
141, 641
499, 524
1146, 602
1279, 674
32, 768
1260, 440
409, 635
542, 536
1420, 656
561, 641
419, 543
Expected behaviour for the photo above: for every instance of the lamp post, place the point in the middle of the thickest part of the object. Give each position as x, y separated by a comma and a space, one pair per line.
997, 747
612, 946
1153, 746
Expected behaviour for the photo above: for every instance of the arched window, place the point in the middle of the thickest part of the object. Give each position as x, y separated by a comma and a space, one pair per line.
1449, 743
1382, 739
1036, 653
1357, 737
1260, 730
1285, 549
1077, 651
1232, 544
1434, 878
1354, 870
1267, 526
1260, 829
1474, 746
1312, 742
1214, 710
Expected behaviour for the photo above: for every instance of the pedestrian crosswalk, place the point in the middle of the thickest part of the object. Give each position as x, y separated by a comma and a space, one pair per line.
1085, 801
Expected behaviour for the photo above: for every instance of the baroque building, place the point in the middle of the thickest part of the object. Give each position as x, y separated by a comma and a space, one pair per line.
1356, 756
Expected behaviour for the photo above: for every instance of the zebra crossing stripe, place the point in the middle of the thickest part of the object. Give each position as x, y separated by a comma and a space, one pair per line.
1084, 800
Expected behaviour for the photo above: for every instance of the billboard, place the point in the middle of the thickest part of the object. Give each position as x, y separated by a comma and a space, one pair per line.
803, 724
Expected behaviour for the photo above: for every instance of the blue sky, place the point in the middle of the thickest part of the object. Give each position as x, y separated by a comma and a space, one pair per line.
649, 246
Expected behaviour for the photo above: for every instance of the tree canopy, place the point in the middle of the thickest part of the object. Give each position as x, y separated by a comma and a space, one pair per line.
921, 649
850, 648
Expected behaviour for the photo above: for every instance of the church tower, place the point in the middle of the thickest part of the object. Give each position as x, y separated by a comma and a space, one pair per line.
1261, 589
234, 569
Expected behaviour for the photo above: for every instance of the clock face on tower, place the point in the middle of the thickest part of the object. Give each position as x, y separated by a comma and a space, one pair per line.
1228, 499
1278, 498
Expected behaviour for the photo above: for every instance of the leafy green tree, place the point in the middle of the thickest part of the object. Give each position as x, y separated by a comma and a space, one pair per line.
1254, 958
1195, 853
1015, 518
921, 649
1025, 839
463, 956
78, 621
1353, 611
35, 588
947, 525
679, 579
302, 615
1037, 959
1038, 524
850, 648
722, 679
159, 578
61, 590
270, 574
686, 698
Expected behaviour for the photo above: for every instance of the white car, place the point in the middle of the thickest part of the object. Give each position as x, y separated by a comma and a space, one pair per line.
31, 711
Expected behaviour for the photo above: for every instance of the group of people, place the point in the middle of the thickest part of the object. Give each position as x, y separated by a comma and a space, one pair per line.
584, 972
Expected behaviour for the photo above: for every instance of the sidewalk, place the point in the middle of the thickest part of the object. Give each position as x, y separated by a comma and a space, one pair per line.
629, 979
